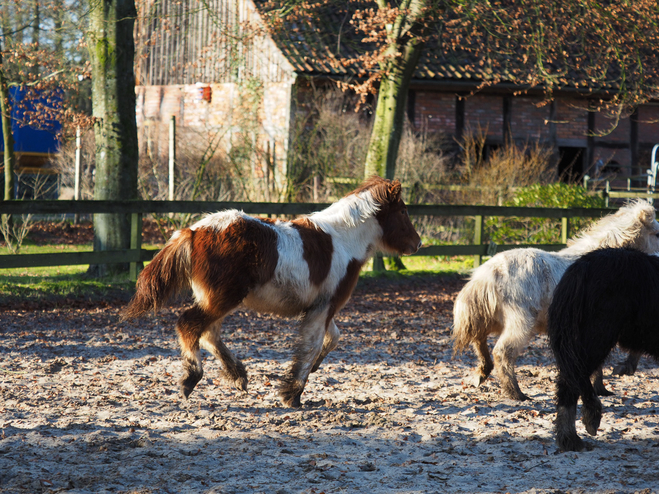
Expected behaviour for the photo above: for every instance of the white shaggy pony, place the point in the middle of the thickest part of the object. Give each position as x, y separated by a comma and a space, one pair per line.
509, 295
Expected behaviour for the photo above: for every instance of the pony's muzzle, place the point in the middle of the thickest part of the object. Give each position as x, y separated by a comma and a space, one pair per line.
413, 248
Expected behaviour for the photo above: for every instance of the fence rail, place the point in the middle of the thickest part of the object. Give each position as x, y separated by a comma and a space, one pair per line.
136, 209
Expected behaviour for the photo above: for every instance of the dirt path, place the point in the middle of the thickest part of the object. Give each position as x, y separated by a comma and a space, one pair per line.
91, 405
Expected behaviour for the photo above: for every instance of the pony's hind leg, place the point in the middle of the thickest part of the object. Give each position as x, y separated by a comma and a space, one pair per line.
330, 342
511, 342
566, 415
233, 370
485, 364
307, 351
598, 383
629, 366
190, 326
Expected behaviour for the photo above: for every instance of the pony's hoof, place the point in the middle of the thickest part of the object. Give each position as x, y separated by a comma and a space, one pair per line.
235, 376
475, 380
603, 391
600, 389
292, 402
188, 384
186, 390
291, 399
516, 395
240, 384
570, 442
623, 369
591, 420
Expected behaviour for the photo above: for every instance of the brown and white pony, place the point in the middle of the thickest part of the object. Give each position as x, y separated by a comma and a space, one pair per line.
307, 267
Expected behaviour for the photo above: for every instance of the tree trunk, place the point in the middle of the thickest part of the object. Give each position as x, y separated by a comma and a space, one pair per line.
58, 22
112, 50
403, 54
36, 22
8, 138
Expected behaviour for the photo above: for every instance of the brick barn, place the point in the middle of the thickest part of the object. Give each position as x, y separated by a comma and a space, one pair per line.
198, 67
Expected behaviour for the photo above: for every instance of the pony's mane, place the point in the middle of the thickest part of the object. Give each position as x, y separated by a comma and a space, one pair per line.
616, 230
380, 188
362, 203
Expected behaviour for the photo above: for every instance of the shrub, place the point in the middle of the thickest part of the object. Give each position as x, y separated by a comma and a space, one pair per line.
542, 230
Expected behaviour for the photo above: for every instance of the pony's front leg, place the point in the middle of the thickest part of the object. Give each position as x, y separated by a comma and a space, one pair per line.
190, 326
307, 351
629, 366
330, 342
566, 415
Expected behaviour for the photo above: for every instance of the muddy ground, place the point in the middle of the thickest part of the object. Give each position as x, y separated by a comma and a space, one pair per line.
89, 405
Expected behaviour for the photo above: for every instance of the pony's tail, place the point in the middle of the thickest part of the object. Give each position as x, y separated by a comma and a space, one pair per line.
473, 312
565, 326
163, 277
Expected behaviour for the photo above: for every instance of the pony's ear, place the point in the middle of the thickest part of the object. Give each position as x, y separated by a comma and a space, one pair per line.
395, 189
647, 216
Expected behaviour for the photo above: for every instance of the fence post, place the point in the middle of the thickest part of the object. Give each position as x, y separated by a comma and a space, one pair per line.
76, 176
565, 229
135, 243
172, 155
478, 231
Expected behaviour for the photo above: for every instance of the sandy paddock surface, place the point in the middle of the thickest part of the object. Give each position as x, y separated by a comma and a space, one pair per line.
89, 404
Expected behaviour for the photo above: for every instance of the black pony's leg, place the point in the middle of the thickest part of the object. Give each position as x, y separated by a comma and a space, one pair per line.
597, 380
566, 415
591, 411
629, 366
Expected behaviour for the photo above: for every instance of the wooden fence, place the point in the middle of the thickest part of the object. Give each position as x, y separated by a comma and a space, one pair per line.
136, 255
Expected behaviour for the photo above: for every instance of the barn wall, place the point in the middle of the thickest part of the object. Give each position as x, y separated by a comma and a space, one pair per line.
219, 41
608, 140
255, 117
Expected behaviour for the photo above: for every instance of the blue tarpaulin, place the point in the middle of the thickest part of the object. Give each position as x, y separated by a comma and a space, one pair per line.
42, 140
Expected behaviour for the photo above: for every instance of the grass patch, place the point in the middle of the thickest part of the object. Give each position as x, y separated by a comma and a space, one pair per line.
38, 274
63, 286
426, 265
459, 265
66, 291
49, 286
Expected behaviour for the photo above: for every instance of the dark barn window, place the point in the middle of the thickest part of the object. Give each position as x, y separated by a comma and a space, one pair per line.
571, 164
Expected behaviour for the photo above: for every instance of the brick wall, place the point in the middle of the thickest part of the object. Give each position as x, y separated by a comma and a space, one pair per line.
648, 124
485, 112
434, 111
571, 120
611, 128
623, 157
529, 119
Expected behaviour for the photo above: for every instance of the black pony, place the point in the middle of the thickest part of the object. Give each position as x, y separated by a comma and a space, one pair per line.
606, 297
